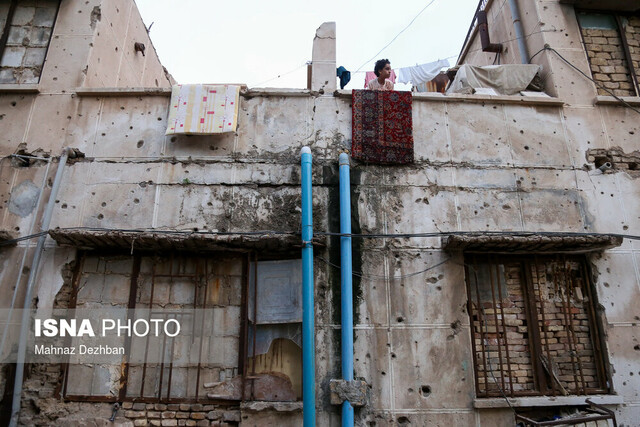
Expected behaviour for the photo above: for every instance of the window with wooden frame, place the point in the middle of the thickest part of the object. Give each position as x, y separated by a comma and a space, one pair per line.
534, 326
612, 43
244, 317
215, 283
25, 33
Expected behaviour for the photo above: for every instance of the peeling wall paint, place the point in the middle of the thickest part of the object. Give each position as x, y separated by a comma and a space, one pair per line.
480, 166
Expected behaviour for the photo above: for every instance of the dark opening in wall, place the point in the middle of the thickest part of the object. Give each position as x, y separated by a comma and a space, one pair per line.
425, 390
601, 161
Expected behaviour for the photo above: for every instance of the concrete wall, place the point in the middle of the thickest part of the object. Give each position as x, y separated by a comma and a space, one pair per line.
481, 164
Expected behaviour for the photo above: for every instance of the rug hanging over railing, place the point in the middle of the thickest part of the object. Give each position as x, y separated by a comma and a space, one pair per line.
382, 130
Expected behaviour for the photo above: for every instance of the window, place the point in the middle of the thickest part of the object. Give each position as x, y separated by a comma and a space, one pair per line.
25, 33
163, 283
612, 42
533, 325
214, 298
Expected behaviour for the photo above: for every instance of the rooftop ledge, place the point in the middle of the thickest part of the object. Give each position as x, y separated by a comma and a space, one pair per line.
19, 88
158, 91
501, 99
611, 100
123, 91
599, 399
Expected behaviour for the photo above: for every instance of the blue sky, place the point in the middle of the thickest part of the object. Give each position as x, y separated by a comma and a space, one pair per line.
254, 41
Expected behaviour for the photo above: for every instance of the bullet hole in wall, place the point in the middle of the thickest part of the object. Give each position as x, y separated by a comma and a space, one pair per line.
403, 420
425, 390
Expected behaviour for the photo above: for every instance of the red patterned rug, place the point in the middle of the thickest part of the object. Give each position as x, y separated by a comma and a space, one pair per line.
382, 126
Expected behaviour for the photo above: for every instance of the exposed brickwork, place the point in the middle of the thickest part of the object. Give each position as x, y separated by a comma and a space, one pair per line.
563, 326
512, 308
46, 412
564, 323
620, 161
27, 43
607, 60
42, 407
632, 32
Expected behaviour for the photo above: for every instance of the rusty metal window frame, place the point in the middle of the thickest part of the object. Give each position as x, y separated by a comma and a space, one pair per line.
544, 378
4, 35
122, 392
633, 73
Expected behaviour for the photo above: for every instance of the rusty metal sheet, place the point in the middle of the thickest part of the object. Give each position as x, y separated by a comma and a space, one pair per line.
279, 292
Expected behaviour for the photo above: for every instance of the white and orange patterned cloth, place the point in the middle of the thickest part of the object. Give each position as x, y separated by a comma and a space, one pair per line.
203, 109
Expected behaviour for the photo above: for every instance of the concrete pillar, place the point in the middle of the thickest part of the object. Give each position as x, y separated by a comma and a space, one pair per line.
323, 57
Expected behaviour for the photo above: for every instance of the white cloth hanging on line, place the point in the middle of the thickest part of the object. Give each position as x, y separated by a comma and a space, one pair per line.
421, 73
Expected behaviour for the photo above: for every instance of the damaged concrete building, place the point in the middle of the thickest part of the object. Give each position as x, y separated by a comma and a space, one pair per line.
495, 275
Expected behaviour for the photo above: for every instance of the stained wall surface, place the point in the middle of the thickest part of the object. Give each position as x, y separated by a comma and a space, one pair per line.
481, 164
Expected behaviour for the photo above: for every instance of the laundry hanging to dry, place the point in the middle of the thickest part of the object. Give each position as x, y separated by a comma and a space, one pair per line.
382, 130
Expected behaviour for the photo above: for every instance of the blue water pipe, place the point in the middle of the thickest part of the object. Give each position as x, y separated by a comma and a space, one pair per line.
308, 336
346, 288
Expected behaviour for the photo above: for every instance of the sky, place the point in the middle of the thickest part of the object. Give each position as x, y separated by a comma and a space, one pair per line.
254, 41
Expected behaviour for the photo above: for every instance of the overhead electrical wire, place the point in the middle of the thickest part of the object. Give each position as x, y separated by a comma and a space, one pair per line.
282, 75
377, 276
626, 104
397, 35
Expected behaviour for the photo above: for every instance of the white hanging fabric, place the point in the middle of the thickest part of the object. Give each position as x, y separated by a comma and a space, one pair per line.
421, 73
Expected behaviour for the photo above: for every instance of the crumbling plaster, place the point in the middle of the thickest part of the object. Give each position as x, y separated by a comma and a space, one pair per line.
253, 185
473, 172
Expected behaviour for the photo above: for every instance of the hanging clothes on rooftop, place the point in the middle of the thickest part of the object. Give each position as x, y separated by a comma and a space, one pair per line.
370, 75
421, 73
203, 109
437, 84
344, 75
382, 130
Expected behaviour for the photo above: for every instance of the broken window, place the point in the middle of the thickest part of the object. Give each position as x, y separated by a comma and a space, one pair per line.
243, 317
26, 29
204, 292
533, 325
274, 353
611, 41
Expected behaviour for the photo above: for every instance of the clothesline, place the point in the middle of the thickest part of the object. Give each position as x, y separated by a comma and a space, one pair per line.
397, 68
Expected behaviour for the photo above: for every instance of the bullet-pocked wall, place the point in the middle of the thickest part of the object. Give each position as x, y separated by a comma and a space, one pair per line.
481, 164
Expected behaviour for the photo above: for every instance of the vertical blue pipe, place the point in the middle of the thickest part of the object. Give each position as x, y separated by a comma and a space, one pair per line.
308, 336
346, 286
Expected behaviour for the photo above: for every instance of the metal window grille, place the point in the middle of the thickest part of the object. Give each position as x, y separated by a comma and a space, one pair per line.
533, 325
